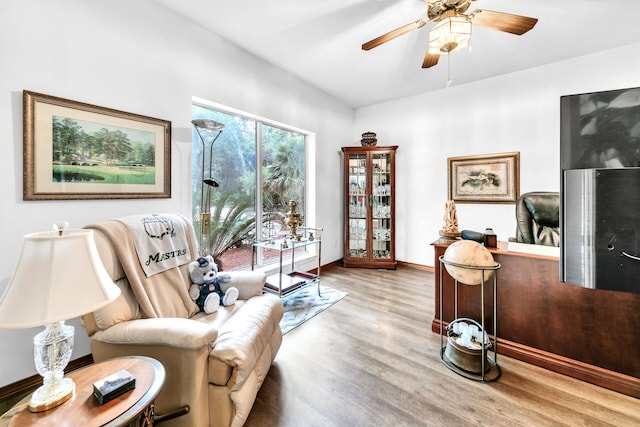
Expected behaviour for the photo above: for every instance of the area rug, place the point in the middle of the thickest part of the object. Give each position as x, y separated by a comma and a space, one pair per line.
302, 305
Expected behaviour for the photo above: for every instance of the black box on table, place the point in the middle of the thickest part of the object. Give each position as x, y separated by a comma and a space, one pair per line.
113, 386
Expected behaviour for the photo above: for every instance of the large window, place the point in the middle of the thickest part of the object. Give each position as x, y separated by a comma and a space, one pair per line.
258, 168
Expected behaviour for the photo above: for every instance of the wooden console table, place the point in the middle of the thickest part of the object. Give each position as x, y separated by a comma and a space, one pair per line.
588, 334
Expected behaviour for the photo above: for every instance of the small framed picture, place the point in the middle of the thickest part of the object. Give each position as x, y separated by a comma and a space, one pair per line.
74, 150
490, 178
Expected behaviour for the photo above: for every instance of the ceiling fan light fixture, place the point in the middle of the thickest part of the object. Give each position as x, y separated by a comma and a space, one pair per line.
451, 34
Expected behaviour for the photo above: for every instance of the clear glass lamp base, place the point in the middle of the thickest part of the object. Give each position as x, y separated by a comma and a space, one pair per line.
46, 398
52, 350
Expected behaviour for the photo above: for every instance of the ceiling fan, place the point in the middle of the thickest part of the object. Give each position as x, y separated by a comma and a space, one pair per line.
453, 27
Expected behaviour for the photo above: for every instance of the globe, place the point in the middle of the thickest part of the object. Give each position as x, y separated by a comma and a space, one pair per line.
471, 254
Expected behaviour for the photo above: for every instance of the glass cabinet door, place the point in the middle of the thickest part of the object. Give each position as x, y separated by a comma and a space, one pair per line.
358, 205
369, 207
381, 206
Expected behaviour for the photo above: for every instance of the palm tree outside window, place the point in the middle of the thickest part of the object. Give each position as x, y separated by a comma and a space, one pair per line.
241, 209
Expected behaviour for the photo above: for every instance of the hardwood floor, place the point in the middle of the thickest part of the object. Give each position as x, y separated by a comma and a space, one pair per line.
372, 360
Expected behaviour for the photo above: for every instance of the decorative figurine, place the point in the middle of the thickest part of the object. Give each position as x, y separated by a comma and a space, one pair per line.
293, 220
369, 139
450, 227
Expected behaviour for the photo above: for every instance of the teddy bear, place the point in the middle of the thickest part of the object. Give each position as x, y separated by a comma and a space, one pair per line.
205, 289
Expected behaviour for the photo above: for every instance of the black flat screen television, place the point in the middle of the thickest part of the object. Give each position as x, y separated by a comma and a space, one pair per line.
600, 130
600, 190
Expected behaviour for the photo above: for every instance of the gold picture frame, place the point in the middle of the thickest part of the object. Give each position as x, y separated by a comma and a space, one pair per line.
490, 178
74, 150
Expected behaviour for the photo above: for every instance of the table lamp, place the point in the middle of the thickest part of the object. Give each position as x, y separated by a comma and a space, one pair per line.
59, 276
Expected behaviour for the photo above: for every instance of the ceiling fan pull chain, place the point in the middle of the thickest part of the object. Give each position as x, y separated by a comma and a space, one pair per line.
449, 81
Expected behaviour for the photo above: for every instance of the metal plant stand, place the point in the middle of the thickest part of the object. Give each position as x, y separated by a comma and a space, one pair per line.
488, 366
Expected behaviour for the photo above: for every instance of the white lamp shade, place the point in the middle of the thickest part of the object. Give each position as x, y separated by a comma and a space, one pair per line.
208, 125
58, 277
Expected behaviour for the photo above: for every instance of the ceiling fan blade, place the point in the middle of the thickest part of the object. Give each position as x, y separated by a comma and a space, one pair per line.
514, 24
430, 60
393, 34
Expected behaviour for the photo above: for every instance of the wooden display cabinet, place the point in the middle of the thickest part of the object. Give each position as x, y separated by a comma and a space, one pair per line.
369, 206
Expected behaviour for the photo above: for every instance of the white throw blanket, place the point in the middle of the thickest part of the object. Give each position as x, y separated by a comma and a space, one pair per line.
160, 241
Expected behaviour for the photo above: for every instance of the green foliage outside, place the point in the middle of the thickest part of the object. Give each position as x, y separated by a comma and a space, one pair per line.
283, 175
231, 224
233, 204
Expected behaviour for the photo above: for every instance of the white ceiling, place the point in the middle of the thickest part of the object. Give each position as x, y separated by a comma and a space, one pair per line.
320, 41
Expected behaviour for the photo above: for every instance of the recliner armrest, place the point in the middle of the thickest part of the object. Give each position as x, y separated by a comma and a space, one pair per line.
249, 283
244, 337
172, 332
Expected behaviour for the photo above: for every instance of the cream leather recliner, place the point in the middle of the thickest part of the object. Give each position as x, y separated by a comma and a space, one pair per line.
215, 364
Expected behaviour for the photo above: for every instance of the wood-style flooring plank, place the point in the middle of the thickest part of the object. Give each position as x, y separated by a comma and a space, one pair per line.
372, 360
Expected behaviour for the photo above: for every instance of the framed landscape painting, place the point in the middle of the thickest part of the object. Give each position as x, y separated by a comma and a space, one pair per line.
491, 178
74, 150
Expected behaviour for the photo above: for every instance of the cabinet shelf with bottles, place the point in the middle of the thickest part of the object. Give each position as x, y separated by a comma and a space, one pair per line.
369, 206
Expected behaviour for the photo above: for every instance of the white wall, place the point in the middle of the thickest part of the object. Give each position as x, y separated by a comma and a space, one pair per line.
515, 112
138, 57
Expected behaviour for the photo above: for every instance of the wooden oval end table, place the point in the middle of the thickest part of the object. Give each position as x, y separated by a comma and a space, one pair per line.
134, 407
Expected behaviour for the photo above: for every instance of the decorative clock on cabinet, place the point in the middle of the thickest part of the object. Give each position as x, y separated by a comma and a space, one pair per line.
369, 206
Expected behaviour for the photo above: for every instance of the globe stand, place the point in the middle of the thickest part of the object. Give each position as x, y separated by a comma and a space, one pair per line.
460, 362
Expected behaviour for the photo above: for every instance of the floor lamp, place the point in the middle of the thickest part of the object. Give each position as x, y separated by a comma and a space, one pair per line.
208, 127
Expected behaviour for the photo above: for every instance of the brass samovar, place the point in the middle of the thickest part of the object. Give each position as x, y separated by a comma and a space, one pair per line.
293, 220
